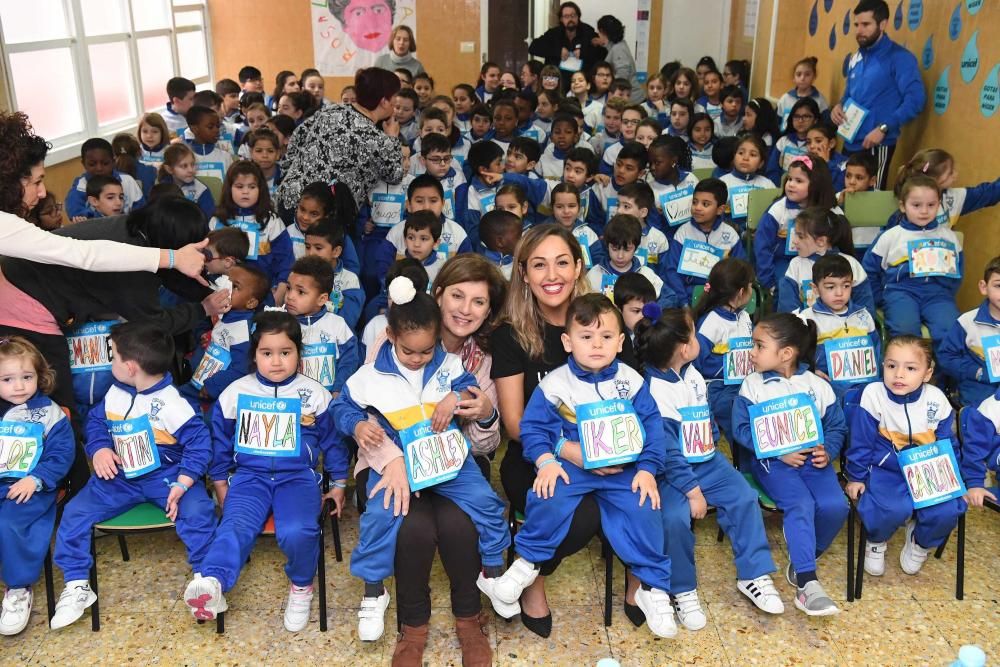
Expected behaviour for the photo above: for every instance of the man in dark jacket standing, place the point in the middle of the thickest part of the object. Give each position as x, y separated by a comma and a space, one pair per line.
570, 45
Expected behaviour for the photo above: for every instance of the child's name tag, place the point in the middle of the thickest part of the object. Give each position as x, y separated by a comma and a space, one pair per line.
387, 209
135, 444
20, 447
791, 248
851, 359
807, 293
736, 364
571, 64
217, 358
267, 426
642, 254
487, 202
991, 355
90, 347
432, 458
610, 433
585, 248
214, 169
933, 257
612, 208
784, 425
739, 200
449, 204
931, 474
790, 154
698, 258
252, 230
677, 205
854, 115
319, 362
336, 301
697, 441
608, 281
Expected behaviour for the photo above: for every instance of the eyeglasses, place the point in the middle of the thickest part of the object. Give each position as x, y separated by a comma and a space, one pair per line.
550, 79
803, 116
630, 121
439, 160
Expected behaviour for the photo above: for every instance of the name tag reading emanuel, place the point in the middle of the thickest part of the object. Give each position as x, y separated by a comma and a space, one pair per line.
432, 458
931, 473
610, 433
784, 425
268, 426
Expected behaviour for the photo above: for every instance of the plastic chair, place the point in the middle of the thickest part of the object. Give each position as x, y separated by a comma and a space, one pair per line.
703, 173
214, 185
870, 209
760, 200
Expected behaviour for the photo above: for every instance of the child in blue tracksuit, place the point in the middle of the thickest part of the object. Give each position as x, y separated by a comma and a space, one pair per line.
849, 347
333, 203
794, 143
901, 413
724, 331
819, 233
213, 160
478, 196
745, 175
146, 445
788, 422
672, 182
413, 389
602, 409
630, 162
326, 241
916, 267
696, 475
622, 238
385, 207
436, 160
566, 213
981, 448
821, 140
700, 243
971, 343
90, 363
179, 167
637, 199
31, 473
98, 160
268, 431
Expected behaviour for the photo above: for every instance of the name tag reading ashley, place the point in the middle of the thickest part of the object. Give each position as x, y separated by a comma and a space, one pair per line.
432, 458
785, 425
610, 433
20, 448
931, 473
268, 426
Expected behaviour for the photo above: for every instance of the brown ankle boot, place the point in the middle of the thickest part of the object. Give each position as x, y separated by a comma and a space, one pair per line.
475, 641
410, 645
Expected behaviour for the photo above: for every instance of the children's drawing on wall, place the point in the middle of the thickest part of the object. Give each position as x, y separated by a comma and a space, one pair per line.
351, 34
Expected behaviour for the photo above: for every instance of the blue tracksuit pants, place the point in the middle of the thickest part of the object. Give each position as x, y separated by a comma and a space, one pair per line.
635, 533
738, 514
813, 505
294, 498
886, 505
374, 557
905, 311
721, 397
100, 500
25, 532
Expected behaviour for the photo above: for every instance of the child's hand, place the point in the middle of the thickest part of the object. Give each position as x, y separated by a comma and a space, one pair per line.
368, 435
221, 490
104, 463
545, 480
173, 498
444, 412
974, 496
854, 490
22, 490
603, 179
490, 178
697, 503
337, 495
645, 484
396, 485
796, 459
479, 407
841, 196
820, 458
78, 218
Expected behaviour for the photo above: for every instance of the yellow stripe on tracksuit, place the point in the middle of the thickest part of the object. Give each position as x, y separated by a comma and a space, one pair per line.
407, 417
901, 440
161, 436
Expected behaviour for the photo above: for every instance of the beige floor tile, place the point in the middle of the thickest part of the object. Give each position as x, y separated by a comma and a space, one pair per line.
578, 638
124, 637
889, 633
754, 638
638, 646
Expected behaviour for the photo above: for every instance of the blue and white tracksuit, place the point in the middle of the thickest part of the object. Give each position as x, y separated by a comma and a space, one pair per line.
788, 100
607, 164
272, 472
603, 276
956, 202
26, 528
76, 204
590, 243
963, 356
601, 140
176, 122
812, 503
838, 170
796, 289
909, 300
653, 249
329, 349
212, 159
786, 150
854, 322
715, 331
400, 398
347, 299
635, 532
723, 238
348, 258
550, 164
184, 448
453, 240
881, 426
224, 361
152, 156
739, 186
197, 192
385, 207
473, 200
728, 129
532, 131
701, 158
673, 201
90, 363
692, 462
980, 442
270, 244
773, 242
713, 109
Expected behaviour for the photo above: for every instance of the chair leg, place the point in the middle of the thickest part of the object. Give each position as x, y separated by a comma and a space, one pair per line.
95, 609
335, 531
941, 547
721, 536
123, 545
850, 553
512, 526
50, 593
960, 557
860, 569
321, 569
220, 623
609, 569
399, 619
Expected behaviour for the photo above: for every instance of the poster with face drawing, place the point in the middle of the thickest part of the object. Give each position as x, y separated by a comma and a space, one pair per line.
349, 35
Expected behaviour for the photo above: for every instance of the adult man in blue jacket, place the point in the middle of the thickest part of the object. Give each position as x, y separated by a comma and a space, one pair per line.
884, 90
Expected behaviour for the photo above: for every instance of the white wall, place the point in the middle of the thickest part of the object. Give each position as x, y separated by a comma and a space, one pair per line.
691, 30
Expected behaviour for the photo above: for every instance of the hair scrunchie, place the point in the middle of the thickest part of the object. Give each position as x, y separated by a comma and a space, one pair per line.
652, 311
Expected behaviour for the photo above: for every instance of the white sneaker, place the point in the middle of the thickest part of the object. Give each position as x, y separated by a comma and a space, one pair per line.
814, 601
488, 586
913, 556
762, 593
655, 604
689, 611
875, 558
73, 601
509, 586
204, 596
15, 610
297, 609
371, 617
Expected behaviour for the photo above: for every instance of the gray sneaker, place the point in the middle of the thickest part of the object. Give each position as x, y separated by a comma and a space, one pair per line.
814, 601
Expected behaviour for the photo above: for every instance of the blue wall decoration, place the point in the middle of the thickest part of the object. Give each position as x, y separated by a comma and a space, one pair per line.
927, 55
827, 5
955, 24
942, 92
916, 14
973, 6
847, 22
833, 37
989, 98
897, 19
814, 18
969, 64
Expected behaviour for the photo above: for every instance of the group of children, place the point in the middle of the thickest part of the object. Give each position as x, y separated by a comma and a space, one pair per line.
278, 381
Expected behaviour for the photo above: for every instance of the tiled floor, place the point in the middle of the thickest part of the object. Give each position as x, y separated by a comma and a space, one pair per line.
902, 620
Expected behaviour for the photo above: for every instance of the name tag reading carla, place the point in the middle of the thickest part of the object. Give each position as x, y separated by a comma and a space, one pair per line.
851, 359
610, 433
268, 426
931, 473
784, 425
135, 444
991, 354
697, 441
319, 362
432, 458
90, 347
736, 363
217, 358
20, 447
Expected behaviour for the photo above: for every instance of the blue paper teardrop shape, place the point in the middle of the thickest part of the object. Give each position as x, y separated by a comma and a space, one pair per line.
927, 55
916, 14
833, 38
989, 97
969, 65
814, 18
827, 5
942, 92
973, 6
847, 22
955, 24
897, 19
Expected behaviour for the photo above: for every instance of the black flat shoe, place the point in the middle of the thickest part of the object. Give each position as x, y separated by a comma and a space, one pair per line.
540, 626
634, 614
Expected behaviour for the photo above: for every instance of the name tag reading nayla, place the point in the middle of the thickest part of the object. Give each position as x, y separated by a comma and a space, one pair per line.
135, 444
90, 347
268, 426
610, 433
697, 440
931, 473
432, 458
785, 425
851, 359
20, 448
